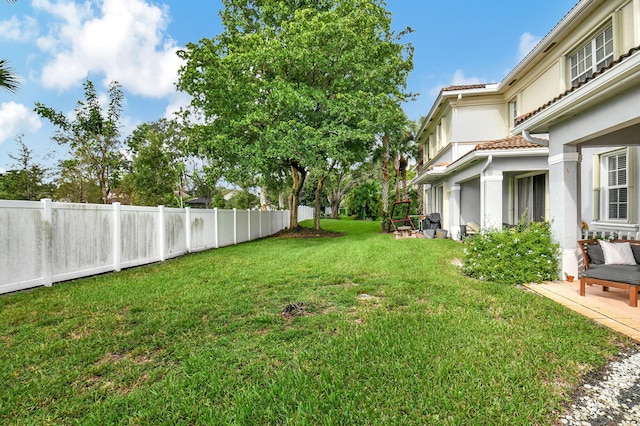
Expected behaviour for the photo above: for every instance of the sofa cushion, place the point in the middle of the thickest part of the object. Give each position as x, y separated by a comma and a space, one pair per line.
635, 248
622, 274
596, 256
617, 253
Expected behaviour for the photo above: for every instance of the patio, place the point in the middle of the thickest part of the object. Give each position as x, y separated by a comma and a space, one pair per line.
607, 308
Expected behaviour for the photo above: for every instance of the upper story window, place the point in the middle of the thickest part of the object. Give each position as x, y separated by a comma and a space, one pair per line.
513, 112
592, 57
616, 191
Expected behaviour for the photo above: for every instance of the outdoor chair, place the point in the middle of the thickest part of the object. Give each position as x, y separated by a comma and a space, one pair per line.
400, 215
432, 221
470, 228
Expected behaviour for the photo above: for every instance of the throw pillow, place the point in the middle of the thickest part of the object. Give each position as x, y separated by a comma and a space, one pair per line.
596, 256
636, 252
617, 253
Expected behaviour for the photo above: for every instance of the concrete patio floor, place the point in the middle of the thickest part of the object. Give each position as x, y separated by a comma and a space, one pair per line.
607, 308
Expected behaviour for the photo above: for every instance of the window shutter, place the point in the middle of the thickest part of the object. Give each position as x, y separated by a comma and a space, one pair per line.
632, 173
596, 187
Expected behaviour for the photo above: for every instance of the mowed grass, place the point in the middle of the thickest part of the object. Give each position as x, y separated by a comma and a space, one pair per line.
390, 332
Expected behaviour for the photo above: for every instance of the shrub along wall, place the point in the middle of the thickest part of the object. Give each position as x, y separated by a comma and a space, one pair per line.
523, 254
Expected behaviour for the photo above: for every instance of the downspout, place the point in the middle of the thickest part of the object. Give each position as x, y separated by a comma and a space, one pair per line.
482, 191
527, 137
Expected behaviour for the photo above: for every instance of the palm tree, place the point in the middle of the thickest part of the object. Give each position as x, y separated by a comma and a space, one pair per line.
403, 147
8, 80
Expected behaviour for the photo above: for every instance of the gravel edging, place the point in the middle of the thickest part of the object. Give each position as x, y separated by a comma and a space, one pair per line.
611, 397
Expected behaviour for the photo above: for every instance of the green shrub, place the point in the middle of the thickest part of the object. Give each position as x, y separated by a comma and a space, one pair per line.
523, 254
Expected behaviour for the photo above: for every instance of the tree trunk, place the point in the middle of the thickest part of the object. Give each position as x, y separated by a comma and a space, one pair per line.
396, 168
385, 176
318, 203
420, 190
403, 174
298, 174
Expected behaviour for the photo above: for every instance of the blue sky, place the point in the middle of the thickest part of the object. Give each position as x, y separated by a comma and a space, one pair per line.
54, 45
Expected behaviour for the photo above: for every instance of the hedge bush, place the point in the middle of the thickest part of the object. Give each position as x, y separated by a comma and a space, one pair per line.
522, 254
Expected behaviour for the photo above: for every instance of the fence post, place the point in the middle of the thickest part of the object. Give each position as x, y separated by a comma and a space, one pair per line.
187, 231
260, 222
215, 226
161, 232
47, 246
249, 224
235, 226
117, 237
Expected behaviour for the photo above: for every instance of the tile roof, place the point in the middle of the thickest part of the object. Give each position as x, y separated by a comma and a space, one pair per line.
522, 118
465, 87
514, 142
443, 164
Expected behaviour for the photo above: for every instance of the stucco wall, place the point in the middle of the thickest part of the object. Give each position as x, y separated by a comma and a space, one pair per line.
480, 123
543, 88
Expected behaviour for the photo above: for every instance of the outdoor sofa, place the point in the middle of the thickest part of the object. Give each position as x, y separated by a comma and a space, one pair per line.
614, 263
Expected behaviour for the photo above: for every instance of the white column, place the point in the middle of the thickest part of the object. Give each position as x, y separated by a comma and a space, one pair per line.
491, 200
563, 209
235, 226
187, 229
215, 226
117, 237
249, 224
161, 247
47, 242
454, 211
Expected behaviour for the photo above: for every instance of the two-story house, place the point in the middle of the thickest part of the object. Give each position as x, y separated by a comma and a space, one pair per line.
578, 94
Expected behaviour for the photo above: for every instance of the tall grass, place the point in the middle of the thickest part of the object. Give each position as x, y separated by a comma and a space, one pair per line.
360, 329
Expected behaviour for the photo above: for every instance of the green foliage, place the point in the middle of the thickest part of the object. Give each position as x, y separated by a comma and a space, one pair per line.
76, 183
363, 201
243, 200
93, 135
157, 168
391, 333
523, 254
305, 84
8, 79
27, 181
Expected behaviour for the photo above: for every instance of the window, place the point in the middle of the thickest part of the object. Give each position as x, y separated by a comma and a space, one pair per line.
439, 199
513, 112
592, 57
530, 197
615, 188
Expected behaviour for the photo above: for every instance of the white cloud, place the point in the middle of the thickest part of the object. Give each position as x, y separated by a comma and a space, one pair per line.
16, 30
15, 119
527, 42
122, 39
177, 102
459, 79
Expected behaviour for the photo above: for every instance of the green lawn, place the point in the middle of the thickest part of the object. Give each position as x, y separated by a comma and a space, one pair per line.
390, 333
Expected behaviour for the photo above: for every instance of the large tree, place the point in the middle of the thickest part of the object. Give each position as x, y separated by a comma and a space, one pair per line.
27, 180
297, 86
93, 134
157, 167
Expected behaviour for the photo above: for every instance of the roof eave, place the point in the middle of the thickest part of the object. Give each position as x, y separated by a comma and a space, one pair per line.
475, 155
548, 42
623, 75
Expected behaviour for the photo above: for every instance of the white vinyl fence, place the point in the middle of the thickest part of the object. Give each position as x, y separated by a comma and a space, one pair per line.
42, 242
